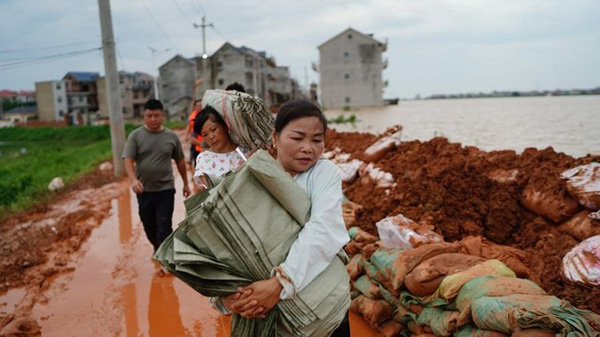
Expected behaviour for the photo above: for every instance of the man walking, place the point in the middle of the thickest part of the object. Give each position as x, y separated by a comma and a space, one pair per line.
148, 153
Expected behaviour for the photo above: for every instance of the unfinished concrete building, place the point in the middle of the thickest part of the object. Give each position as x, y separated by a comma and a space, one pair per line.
350, 70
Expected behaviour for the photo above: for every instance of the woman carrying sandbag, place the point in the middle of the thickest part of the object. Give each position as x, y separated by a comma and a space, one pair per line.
223, 155
299, 140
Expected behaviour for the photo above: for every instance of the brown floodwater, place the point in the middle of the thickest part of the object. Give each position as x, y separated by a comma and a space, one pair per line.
115, 289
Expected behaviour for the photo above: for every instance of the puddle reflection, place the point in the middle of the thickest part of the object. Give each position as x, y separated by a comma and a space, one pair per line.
163, 309
125, 222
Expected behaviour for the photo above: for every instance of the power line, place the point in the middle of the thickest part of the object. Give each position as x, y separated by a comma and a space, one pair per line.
46, 58
182, 12
119, 56
46, 47
218, 32
158, 25
201, 11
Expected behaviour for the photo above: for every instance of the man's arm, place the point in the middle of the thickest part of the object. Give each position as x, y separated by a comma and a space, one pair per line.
135, 184
183, 172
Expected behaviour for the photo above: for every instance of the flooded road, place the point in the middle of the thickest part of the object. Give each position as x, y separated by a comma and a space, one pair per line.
113, 288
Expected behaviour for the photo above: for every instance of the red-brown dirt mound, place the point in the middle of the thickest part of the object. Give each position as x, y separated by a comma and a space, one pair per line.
462, 191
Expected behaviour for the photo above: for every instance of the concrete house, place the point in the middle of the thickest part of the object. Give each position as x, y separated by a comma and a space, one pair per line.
135, 88
176, 81
235, 64
82, 96
258, 73
51, 98
351, 69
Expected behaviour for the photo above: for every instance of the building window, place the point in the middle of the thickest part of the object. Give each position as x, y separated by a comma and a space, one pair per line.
347, 100
80, 98
346, 54
59, 99
219, 64
57, 86
349, 36
221, 81
346, 76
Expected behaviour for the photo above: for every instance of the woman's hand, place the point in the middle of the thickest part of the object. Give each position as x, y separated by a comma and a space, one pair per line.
264, 295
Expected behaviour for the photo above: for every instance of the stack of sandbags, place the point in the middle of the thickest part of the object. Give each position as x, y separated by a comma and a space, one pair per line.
444, 289
583, 184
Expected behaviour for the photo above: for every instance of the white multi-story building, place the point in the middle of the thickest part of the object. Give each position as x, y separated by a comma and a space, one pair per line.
51, 98
350, 69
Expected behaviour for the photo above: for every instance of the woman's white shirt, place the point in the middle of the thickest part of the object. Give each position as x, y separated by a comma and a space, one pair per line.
325, 232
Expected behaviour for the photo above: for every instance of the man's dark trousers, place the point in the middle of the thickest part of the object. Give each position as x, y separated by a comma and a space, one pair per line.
156, 211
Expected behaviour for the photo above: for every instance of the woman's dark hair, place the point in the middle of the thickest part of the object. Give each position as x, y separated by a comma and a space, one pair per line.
205, 114
296, 109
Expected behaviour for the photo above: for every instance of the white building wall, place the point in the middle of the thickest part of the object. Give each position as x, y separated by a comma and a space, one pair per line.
351, 71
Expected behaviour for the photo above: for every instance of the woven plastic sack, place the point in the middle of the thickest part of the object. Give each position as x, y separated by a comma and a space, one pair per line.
450, 286
389, 328
249, 120
581, 226
494, 286
473, 331
366, 286
426, 277
356, 266
388, 141
556, 207
509, 313
583, 183
582, 263
374, 311
441, 322
408, 260
380, 266
401, 232
512, 257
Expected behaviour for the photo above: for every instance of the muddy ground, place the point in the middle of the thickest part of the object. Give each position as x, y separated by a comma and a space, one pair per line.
447, 185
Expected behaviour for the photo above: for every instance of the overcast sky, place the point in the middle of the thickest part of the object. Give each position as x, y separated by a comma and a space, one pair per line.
434, 46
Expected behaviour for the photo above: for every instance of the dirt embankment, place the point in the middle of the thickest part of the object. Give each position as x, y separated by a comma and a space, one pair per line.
462, 191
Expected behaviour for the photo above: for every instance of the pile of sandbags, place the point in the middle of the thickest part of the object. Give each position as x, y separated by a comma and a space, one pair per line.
464, 288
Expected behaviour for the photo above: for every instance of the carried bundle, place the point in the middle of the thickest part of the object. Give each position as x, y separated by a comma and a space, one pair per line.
249, 120
237, 232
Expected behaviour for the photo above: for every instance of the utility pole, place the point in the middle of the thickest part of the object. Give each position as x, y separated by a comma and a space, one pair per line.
117, 128
154, 51
203, 26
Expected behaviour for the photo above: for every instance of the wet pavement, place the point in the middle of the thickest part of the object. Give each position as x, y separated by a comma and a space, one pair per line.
115, 289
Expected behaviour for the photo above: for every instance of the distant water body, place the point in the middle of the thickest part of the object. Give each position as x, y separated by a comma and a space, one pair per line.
570, 124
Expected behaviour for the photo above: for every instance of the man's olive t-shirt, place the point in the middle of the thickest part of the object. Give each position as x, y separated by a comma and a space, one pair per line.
152, 153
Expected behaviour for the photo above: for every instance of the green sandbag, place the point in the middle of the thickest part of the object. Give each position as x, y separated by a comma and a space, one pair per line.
452, 283
494, 286
352, 231
507, 313
380, 266
366, 286
473, 331
442, 322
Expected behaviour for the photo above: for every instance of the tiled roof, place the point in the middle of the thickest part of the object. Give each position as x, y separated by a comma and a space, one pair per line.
82, 76
23, 109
